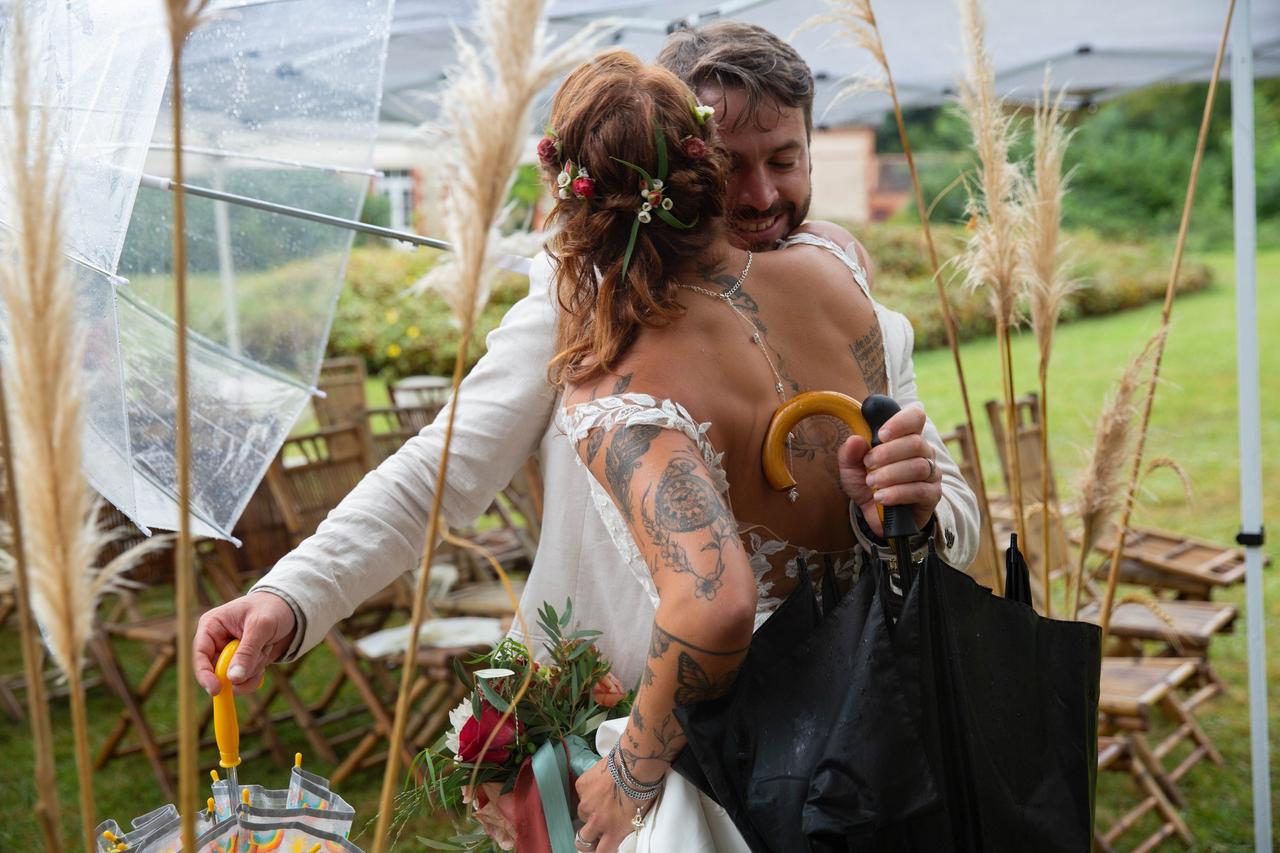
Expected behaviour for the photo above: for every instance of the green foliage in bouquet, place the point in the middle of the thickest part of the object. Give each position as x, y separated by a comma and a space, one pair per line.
515, 705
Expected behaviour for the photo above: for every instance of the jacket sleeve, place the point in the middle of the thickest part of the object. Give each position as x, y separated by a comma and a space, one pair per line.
378, 531
955, 519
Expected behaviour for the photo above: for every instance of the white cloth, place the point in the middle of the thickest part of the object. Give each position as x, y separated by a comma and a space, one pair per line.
505, 415
683, 818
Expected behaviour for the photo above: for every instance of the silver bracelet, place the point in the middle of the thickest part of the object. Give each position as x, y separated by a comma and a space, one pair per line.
633, 783
623, 786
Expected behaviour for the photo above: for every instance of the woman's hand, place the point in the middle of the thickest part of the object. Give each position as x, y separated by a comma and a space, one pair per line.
606, 812
900, 471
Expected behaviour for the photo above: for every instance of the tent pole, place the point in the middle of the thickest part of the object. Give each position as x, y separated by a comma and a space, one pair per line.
1250, 418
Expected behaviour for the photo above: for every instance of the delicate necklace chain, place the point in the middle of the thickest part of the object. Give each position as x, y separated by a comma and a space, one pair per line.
726, 297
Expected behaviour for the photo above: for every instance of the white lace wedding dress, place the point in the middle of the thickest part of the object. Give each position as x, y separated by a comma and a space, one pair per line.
684, 819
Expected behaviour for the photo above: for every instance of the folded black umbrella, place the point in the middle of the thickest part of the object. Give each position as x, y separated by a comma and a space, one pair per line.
969, 723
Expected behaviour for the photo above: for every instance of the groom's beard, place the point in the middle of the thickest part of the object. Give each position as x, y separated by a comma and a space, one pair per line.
760, 231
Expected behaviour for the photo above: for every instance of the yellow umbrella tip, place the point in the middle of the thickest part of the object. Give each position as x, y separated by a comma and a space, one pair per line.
213, 774
244, 796
297, 759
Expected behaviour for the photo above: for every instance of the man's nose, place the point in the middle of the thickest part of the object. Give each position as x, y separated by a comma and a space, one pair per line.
756, 190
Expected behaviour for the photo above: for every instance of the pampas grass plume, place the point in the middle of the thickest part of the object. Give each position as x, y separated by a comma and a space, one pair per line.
853, 21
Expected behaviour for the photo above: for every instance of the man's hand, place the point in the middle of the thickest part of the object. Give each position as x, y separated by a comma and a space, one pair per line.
264, 625
900, 471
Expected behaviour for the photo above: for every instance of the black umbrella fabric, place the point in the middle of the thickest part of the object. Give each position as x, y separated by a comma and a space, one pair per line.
968, 723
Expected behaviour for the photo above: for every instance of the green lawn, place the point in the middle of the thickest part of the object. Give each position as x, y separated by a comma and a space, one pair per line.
1194, 422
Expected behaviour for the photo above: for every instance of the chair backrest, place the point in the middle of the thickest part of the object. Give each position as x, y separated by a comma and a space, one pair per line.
985, 565
342, 380
314, 472
391, 426
1030, 459
420, 391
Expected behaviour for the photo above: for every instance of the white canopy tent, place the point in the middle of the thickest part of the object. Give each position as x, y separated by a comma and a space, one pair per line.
1098, 49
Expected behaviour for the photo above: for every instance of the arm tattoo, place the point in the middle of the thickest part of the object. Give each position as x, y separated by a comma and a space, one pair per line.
593, 444
669, 736
662, 640
723, 533
623, 383
623, 458
868, 353
636, 719
686, 501
695, 685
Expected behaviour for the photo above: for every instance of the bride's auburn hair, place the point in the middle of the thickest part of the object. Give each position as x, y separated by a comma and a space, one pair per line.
608, 110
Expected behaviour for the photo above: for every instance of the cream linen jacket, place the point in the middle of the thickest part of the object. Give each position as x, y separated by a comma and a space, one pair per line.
505, 414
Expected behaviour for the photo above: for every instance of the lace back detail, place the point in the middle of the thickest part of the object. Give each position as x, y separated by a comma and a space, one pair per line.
859, 274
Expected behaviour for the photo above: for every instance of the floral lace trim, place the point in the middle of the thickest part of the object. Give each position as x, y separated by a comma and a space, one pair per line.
609, 412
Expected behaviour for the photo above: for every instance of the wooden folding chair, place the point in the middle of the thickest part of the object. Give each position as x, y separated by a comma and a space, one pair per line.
987, 563
389, 427
1191, 568
1182, 629
1116, 753
1130, 689
371, 664
420, 391
157, 634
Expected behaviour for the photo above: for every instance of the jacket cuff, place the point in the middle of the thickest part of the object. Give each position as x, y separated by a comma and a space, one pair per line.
299, 621
919, 543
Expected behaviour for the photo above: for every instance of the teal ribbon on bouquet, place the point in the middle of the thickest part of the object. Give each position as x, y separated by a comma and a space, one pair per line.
553, 768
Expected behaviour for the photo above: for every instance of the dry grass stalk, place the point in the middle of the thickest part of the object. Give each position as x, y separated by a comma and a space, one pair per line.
59, 534
184, 16
1101, 481
1043, 256
1171, 464
993, 257
17, 154
485, 125
855, 21
1113, 572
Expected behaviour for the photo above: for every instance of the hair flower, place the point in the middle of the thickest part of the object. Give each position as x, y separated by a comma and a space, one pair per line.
701, 113
584, 186
694, 147
548, 150
563, 179
644, 215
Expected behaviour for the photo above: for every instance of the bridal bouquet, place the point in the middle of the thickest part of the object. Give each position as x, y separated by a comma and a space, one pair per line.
515, 745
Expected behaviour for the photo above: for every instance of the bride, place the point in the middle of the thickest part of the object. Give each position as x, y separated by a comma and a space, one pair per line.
670, 373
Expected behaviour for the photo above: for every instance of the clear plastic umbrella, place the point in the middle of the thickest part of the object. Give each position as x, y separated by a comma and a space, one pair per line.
281, 105
306, 817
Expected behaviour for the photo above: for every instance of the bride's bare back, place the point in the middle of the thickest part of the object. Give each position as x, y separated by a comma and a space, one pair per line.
820, 333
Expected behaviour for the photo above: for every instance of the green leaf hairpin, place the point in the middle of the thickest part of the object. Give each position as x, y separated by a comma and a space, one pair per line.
653, 202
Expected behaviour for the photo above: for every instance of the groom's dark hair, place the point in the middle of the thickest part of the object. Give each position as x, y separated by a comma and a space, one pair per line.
733, 55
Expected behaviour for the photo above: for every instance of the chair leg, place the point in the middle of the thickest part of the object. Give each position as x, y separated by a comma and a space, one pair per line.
114, 678
1187, 727
159, 666
1146, 758
302, 714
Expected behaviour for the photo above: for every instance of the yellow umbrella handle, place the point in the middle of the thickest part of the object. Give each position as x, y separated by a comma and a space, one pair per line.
795, 410
226, 728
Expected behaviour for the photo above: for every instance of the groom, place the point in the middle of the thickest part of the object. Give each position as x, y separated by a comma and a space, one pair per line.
763, 95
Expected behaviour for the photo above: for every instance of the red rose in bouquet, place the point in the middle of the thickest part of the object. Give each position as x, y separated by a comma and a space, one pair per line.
475, 733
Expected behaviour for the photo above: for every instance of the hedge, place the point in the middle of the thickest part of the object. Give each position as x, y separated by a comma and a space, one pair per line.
399, 334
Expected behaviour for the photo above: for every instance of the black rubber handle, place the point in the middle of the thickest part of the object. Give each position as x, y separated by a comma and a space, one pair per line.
898, 520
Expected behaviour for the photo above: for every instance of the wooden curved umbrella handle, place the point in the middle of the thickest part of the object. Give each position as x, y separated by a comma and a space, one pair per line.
795, 410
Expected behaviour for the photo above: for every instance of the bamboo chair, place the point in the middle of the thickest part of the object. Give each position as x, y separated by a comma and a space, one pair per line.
389, 427
1131, 690
1116, 753
371, 664
343, 404
310, 476
158, 636
1190, 568
987, 563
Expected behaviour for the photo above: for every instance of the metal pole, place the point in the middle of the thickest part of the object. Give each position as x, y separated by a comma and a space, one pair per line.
1250, 413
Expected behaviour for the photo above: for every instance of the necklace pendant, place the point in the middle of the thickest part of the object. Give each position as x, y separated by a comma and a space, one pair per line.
755, 339
793, 495
638, 820
778, 388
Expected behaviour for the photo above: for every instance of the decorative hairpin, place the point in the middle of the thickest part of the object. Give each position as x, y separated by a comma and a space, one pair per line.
573, 180
653, 202
701, 113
